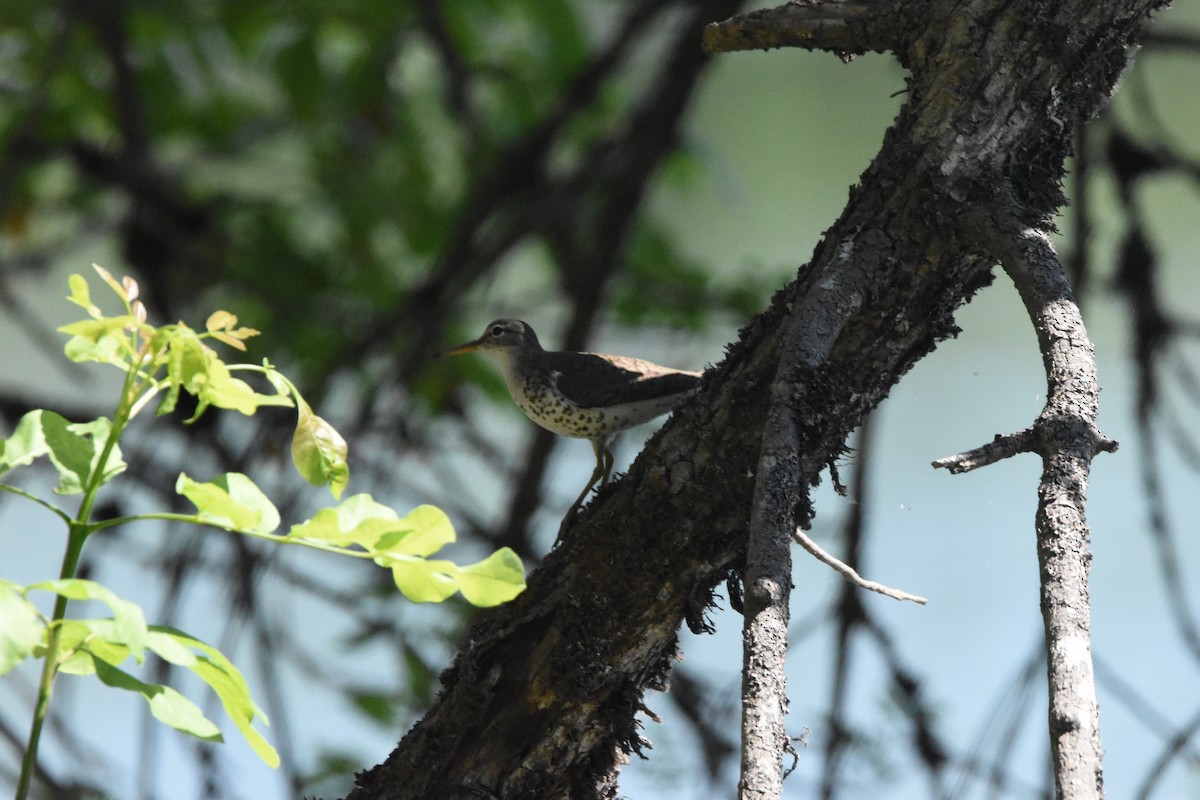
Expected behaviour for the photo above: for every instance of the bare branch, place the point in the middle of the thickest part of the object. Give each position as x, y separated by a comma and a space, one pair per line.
998, 449
846, 27
848, 572
1066, 436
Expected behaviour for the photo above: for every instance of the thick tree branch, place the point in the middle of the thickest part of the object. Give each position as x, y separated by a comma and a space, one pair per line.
1066, 436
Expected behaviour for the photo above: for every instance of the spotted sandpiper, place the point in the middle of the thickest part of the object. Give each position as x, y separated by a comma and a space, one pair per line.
591, 396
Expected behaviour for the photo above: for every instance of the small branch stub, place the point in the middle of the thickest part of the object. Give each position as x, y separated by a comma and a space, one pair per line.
998, 449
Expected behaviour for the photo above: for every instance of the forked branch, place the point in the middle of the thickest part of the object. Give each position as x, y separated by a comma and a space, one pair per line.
1066, 436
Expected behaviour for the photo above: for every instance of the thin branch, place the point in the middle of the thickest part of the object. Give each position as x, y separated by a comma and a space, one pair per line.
847, 617
848, 572
1133, 699
1174, 748
768, 582
846, 27
910, 698
998, 449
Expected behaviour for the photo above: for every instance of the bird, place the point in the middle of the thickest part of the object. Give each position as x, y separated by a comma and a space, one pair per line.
591, 396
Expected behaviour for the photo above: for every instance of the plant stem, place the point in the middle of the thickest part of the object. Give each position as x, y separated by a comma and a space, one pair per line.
78, 535
4, 487
192, 519
78, 531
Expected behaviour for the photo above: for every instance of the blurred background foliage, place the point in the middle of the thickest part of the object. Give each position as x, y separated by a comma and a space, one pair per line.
367, 182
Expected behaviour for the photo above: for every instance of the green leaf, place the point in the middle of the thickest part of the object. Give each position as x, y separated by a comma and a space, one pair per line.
496, 579
105, 641
167, 705
231, 501
356, 520
81, 295
218, 387
128, 623
423, 531
193, 366
175, 371
74, 448
26, 443
171, 645
87, 650
76, 661
422, 581
319, 451
220, 325
187, 360
21, 626
222, 677
104, 340
278, 380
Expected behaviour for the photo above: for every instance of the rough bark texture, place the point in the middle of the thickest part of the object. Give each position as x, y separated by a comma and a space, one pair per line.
1066, 436
813, 325
543, 700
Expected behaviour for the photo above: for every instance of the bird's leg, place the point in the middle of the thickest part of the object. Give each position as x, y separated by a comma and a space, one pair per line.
604, 462
604, 459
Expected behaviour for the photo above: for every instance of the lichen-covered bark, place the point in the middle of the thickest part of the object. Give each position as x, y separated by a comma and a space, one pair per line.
542, 702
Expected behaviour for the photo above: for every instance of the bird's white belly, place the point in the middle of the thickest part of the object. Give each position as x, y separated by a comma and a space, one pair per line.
543, 404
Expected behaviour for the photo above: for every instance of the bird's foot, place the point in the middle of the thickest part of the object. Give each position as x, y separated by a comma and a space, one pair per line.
566, 523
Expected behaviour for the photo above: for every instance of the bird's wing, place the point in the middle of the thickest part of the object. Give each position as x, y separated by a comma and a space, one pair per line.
591, 380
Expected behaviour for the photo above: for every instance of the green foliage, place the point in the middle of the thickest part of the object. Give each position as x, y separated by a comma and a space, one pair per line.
332, 173
232, 502
163, 362
402, 544
74, 448
21, 629
319, 451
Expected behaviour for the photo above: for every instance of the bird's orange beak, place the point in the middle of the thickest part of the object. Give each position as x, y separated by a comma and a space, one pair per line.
467, 347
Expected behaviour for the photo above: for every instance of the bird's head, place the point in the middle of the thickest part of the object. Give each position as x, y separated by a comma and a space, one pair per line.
500, 337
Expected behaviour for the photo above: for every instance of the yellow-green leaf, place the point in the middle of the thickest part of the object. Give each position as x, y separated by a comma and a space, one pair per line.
319, 451
423, 531
423, 581
220, 321
128, 625
222, 677
231, 501
81, 295
21, 626
496, 579
167, 705
356, 520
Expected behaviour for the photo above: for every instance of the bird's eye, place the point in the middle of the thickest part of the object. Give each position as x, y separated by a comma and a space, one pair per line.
497, 330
